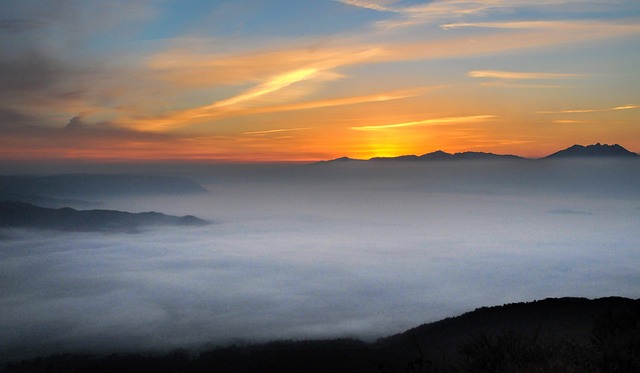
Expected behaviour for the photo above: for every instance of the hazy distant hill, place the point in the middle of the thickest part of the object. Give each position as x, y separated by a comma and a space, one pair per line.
551, 335
594, 151
577, 151
444, 156
23, 215
96, 185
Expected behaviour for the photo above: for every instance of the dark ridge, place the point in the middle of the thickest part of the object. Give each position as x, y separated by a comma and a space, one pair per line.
551, 335
577, 151
399, 158
594, 151
438, 155
444, 156
97, 185
24, 215
483, 156
340, 160
553, 317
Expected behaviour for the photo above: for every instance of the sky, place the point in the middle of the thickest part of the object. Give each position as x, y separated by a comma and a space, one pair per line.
285, 80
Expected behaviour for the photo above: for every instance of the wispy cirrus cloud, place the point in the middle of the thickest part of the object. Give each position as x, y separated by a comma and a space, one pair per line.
267, 73
435, 121
271, 85
518, 75
626, 107
510, 25
418, 14
438, 10
277, 130
373, 5
479, 13
580, 111
189, 116
341, 101
556, 33
568, 121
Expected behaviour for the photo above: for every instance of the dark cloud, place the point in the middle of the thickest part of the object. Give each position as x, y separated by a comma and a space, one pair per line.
10, 118
75, 123
47, 59
77, 128
28, 72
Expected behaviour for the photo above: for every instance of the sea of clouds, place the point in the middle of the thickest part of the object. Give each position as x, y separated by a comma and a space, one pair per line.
320, 251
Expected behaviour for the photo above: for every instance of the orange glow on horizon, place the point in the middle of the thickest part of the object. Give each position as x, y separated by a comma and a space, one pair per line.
393, 79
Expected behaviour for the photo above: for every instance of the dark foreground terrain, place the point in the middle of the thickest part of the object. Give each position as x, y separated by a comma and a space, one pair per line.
551, 335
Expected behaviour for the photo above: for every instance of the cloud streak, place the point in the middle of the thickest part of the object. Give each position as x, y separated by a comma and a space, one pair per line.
278, 130
368, 5
437, 121
342, 101
581, 111
273, 84
437, 10
517, 75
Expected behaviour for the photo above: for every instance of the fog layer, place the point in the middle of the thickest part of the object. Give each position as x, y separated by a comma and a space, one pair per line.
322, 251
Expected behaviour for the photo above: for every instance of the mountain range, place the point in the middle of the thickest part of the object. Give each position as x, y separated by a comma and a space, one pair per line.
62, 202
574, 152
15, 214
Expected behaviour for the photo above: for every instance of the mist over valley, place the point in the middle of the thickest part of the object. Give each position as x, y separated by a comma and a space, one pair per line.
359, 250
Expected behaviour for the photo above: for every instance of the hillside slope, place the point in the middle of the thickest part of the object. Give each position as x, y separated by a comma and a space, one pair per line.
551, 335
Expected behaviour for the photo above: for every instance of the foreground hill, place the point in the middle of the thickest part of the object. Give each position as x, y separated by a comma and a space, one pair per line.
552, 335
24, 215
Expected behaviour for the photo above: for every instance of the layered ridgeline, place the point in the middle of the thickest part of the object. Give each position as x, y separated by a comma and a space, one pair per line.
15, 214
551, 335
576, 151
63, 202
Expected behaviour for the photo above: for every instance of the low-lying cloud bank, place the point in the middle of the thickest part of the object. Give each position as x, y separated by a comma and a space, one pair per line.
302, 252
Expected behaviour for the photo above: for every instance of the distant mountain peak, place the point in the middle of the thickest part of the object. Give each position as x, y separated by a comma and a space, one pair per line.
340, 160
592, 151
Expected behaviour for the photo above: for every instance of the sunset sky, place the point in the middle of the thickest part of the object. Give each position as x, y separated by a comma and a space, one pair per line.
286, 80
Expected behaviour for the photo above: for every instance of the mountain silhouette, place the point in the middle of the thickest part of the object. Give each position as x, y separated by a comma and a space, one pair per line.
24, 215
444, 156
575, 151
593, 151
570, 318
438, 155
